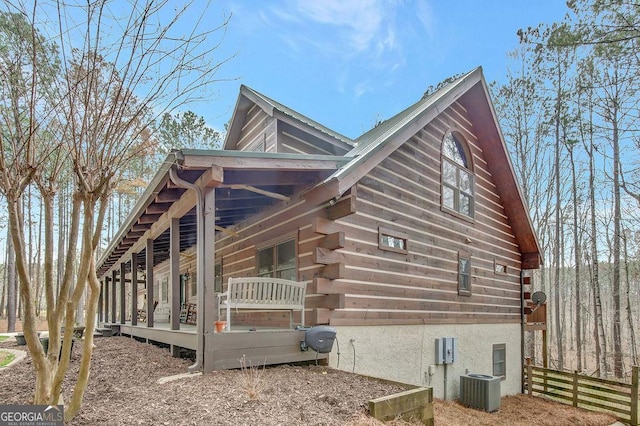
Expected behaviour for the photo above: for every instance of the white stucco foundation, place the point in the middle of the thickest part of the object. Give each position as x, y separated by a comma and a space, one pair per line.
406, 353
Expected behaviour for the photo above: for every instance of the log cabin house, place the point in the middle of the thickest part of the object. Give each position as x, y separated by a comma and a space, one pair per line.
415, 231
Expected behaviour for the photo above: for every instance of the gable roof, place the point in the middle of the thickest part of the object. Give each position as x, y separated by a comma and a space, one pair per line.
327, 176
472, 92
379, 142
249, 97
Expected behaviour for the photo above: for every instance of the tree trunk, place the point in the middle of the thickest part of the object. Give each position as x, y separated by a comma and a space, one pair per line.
558, 223
3, 291
91, 245
601, 341
617, 332
62, 227
577, 259
12, 285
627, 281
38, 266
44, 368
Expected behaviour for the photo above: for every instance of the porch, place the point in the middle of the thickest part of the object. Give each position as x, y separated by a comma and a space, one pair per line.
258, 345
161, 275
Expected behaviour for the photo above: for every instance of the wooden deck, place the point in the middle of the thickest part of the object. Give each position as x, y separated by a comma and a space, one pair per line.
161, 332
223, 351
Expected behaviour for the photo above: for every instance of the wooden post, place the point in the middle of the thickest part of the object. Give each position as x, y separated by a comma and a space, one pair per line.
208, 309
575, 388
634, 395
174, 271
545, 349
149, 281
529, 377
134, 288
123, 307
106, 299
210, 297
113, 296
100, 302
545, 356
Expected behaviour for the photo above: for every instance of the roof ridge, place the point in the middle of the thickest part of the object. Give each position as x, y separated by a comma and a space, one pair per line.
297, 115
388, 123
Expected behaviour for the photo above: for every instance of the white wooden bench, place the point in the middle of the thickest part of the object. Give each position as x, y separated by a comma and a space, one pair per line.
260, 293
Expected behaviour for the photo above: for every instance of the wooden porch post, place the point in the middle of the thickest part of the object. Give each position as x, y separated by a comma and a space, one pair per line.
634, 395
174, 271
134, 288
114, 299
210, 299
149, 281
123, 308
100, 302
106, 299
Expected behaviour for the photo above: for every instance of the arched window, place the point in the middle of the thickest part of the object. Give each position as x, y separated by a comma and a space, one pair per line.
457, 176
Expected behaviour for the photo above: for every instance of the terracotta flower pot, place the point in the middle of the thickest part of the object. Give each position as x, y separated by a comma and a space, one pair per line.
220, 326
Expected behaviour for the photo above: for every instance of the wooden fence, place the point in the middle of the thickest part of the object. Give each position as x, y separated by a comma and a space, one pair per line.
616, 398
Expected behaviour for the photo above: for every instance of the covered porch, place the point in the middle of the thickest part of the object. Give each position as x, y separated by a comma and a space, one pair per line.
160, 278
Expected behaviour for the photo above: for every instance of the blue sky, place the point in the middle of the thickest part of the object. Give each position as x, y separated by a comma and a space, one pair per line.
348, 63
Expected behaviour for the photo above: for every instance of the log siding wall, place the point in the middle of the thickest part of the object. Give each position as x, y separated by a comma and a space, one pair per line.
403, 194
258, 132
288, 221
350, 279
298, 141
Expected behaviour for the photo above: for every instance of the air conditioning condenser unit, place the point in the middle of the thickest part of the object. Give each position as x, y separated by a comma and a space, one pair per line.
480, 391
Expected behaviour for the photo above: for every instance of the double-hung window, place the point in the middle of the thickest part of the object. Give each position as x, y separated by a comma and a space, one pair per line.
278, 260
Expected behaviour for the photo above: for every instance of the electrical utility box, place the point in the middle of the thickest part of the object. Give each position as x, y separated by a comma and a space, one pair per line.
446, 350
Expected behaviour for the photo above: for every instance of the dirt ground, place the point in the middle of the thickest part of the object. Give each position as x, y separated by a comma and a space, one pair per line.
42, 325
124, 390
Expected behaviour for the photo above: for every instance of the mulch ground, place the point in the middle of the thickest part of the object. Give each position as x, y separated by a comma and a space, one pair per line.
124, 390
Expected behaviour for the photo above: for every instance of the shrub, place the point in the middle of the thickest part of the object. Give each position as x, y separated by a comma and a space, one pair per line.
250, 380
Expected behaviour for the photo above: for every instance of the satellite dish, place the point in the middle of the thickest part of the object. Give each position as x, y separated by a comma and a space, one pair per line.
539, 297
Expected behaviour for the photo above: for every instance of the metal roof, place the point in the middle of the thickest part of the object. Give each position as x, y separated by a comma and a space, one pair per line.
253, 181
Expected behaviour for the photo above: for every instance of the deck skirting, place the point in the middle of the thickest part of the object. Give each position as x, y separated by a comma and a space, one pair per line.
223, 351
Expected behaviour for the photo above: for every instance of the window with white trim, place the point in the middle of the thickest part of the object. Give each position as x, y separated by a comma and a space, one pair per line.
457, 177
500, 360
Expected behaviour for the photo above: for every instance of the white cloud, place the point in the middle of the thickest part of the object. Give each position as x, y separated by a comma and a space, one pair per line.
360, 20
425, 16
370, 36
361, 88
388, 42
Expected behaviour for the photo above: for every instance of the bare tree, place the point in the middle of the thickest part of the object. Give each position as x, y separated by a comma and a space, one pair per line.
117, 74
577, 256
627, 285
587, 134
